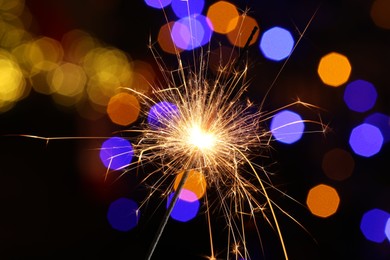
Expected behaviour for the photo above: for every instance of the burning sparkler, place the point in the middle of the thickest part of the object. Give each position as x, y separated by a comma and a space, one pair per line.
201, 123
209, 130
200, 129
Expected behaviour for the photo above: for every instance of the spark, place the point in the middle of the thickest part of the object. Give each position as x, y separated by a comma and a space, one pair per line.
213, 132
212, 129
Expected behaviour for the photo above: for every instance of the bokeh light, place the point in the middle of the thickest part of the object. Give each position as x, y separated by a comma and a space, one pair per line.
12, 30
77, 44
12, 83
387, 229
224, 16
165, 40
159, 4
37, 58
381, 121
240, 35
123, 214
287, 127
123, 109
360, 95
45, 54
187, 8
67, 82
373, 225
323, 200
380, 13
14, 7
195, 183
366, 140
161, 113
191, 32
338, 164
334, 69
108, 69
276, 43
143, 76
186, 207
116, 153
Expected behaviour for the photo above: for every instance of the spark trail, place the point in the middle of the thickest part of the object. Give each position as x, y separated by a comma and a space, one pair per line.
203, 122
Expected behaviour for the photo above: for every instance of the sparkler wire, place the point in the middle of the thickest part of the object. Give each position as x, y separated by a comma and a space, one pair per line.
254, 30
167, 215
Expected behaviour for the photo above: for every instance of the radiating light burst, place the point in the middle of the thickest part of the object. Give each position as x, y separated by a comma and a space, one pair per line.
200, 121
200, 138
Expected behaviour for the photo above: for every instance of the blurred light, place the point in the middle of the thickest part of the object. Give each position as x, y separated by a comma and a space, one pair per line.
224, 16
191, 32
37, 58
360, 95
381, 121
123, 214
108, 69
123, 109
106, 64
334, 69
187, 8
287, 127
380, 13
366, 140
186, 208
240, 35
161, 113
195, 183
140, 83
45, 54
99, 96
143, 76
187, 195
338, 164
323, 200
67, 79
387, 229
77, 44
165, 40
116, 153
158, 3
12, 32
14, 6
12, 83
276, 43
39, 55
373, 225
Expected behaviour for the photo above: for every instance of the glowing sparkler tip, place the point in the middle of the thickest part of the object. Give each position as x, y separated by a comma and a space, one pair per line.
200, 138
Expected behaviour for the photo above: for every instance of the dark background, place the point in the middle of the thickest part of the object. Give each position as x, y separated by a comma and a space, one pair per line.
53, 196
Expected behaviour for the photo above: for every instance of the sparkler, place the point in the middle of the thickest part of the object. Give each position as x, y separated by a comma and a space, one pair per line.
213, 131
202, 123
208, 128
